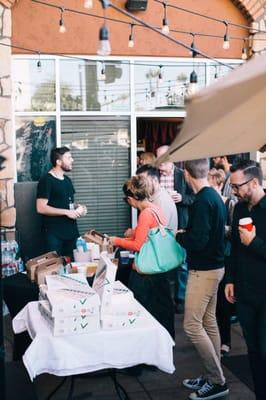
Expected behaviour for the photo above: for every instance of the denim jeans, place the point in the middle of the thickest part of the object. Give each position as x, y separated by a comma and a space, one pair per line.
62, 247
181, 282
200, 322
251, 312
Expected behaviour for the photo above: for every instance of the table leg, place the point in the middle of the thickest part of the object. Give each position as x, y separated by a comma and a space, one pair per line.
57, 388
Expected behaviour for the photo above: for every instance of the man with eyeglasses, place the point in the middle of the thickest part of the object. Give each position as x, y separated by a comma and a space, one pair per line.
246, 273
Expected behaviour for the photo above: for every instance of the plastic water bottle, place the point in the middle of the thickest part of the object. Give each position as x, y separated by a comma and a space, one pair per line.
81, 244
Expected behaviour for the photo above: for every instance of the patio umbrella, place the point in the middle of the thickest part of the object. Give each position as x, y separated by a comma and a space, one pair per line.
227, 117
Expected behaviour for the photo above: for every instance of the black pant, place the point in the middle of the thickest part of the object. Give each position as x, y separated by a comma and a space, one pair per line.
154, 293
223, 315
61, 246
252, 316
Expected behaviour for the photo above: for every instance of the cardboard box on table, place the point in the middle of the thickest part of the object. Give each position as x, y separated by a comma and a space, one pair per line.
119, 309
71, 295
95, 237
63, 326
45, 264
123, 311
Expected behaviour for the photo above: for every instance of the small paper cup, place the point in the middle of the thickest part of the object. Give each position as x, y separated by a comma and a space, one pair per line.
246, 223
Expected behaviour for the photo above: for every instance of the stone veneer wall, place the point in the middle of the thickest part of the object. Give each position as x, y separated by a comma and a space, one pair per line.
8, 213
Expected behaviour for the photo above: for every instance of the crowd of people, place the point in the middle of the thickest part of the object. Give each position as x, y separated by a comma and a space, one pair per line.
224, 268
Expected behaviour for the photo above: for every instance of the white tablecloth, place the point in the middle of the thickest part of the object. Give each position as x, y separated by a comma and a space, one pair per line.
70, 355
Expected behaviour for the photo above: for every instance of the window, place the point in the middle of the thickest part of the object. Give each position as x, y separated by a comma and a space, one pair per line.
34, 86
164, 86
101, 151
35, 138
94, 86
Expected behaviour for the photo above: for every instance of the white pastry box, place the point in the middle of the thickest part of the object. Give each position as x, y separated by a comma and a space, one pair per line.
123, 310
71, 295
63, 326
104, 279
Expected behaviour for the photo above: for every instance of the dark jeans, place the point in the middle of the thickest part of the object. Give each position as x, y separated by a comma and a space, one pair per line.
153, 292
252, 317
223, 315
62, 247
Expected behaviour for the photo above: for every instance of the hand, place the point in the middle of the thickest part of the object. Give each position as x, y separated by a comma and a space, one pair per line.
79, 210
112, 239
128, 233
72, 214
246, 236
229, 292
177, 197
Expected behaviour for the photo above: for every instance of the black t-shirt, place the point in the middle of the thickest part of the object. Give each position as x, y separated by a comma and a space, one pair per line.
59, 194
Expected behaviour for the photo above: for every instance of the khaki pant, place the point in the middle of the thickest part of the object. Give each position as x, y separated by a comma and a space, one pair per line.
200, 322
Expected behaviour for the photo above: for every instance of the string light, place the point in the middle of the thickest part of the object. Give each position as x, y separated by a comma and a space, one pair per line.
165, 28
216, 74
62, 27
160, 75
39, 64
131, 37
193, 83
103, 75
244, 54
193, 48
226, 43
104, 48
88, 4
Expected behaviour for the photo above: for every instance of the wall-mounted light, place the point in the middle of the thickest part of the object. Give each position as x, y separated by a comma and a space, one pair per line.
104, 48
165, 28
131, 37
62, 27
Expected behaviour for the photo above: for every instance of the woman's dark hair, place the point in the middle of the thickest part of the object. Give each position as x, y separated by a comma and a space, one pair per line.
57, 153
149, 170
251, 169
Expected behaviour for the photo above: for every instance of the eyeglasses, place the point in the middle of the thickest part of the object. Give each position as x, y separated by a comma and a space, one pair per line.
237, 186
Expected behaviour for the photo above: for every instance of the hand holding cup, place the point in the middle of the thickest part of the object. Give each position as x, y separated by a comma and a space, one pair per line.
247, 231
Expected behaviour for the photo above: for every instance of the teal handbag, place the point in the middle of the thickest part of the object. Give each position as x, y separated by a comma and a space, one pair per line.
161, 252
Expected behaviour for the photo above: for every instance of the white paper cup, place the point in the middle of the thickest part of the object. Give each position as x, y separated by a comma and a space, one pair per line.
246, 223
82, 269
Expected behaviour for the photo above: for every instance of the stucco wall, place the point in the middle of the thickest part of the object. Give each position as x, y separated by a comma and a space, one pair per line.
6, 140
36, 26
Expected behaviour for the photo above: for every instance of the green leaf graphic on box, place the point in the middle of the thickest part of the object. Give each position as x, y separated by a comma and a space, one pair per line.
83, 316
131, 321
83, 301
83, 326
106, 282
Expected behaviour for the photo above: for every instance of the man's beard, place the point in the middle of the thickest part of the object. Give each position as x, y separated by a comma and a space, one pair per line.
66, 168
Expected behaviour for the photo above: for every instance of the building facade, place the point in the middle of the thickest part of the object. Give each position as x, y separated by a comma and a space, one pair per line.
55, 89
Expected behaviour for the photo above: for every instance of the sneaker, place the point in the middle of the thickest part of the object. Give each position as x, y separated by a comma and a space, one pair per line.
210, 391
225, 349
194, 384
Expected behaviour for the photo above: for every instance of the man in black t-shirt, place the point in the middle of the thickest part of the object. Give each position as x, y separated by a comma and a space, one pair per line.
55, 201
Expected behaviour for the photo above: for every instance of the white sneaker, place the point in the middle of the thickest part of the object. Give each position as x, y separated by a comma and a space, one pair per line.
194, 384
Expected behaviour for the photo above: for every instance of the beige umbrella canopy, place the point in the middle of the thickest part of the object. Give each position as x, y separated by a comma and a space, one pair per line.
227, 117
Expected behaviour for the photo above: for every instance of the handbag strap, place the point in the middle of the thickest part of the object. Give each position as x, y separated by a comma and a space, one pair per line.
157, 217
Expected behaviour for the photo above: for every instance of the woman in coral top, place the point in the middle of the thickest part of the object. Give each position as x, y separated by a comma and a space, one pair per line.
152, 291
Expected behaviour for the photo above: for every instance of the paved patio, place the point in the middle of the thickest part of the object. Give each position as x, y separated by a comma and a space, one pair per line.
153, 385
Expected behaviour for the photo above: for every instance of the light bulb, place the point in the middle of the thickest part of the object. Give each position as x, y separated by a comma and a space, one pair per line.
102, 76
130, 41
39, 66
165, 28
244, 55
193, 84
226, 43
88, 4
104, 48
62, 27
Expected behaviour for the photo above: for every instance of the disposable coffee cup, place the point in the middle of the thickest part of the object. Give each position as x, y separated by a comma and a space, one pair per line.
246, 223
124, 257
